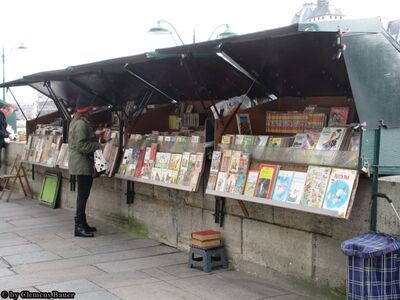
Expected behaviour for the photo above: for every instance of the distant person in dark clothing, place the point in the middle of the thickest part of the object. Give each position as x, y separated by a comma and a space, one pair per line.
5, 110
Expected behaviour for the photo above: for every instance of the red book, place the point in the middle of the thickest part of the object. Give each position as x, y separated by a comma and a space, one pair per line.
338, 115
266, 180
153, 151
206, 235
139, 166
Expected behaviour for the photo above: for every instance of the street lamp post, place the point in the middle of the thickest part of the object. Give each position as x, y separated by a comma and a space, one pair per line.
3, 61
12, 119
161, 30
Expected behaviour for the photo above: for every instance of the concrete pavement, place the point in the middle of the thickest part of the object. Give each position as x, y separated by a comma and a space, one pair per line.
39, 253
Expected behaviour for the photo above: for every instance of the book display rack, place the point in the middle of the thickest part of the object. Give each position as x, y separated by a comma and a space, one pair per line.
170, 161
43, 148
300, 163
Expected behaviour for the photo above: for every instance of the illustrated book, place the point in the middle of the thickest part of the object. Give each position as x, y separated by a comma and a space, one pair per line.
243, 122
251, 183
331, 138
282, 186
338, 115
315, 186
297, 187
266, 180
339, 190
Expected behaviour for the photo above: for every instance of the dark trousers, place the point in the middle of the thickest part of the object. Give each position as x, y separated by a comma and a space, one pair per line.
84, 186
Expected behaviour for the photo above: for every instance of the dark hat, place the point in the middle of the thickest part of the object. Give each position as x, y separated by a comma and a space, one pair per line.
83, 104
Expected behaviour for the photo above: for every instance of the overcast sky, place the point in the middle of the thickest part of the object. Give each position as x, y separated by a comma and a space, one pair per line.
60, 33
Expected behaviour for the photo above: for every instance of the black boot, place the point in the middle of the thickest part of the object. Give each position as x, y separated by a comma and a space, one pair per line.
80, 229
86, 225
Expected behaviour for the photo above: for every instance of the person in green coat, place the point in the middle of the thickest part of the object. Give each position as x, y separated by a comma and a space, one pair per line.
82, 144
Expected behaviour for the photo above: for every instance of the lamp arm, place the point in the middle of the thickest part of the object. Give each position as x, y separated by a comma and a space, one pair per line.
215, 29
173, 27
16, 45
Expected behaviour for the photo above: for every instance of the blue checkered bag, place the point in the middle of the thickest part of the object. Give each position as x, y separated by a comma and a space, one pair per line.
373, 268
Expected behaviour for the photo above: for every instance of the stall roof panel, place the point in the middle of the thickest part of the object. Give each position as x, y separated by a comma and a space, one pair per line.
298, 60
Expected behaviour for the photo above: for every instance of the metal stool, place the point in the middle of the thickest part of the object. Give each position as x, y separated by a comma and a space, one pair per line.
207, 258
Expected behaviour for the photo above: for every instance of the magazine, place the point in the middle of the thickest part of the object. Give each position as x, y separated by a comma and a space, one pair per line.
339, 190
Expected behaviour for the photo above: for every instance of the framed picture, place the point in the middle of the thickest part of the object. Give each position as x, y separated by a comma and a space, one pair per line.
49, 194
243, 122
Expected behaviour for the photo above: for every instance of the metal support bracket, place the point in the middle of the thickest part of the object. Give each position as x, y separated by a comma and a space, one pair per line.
130, 192
219, 214
19, 106
60, 105
145, 82
238, 67
375, 177
33, 172
142, 105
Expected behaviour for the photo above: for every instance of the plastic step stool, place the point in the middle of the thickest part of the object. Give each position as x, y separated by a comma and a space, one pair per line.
207, 258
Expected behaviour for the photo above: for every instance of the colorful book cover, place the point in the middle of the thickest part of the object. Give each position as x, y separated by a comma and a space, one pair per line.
139, 166
221, 180
300, 141
147, 154
312, 137
240, 183
212, 180
266, 180
251, 183
235, 161
194, 179
125, 161
199, 162
243, 122
248, 140
146, 170
261, 140
331, 138
226, 159
192, 162
338, 115
185, 161
175, 162
230, 182
227, 139
174, 176
339, 190
239, 139
215, 161
282, 185
244, 163
156, 174
188, 175
275, 142
153, 151
315, 186
195, 139
297, 187
181, 177
162, 160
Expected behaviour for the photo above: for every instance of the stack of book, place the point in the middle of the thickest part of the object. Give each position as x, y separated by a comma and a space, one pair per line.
206, 239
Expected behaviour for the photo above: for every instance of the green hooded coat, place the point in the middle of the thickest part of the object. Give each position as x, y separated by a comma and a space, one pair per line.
82, 143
